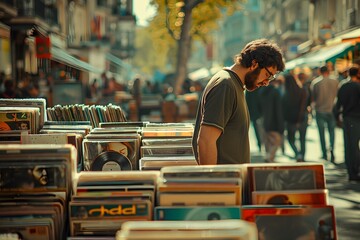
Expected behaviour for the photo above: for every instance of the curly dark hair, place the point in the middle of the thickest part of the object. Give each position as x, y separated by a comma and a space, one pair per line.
265, 52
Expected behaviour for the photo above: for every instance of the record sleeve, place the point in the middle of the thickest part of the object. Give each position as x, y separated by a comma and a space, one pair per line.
106, 218
198, 199
111, 210
296, 197
16, 118
230, 229
166, 150
201, 172
166, 141
287, 222
39, 103
156, 163
39, 231
110, 154
280, 176
191, 213
117, 178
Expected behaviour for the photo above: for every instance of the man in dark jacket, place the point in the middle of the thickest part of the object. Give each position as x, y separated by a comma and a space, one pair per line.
348, 106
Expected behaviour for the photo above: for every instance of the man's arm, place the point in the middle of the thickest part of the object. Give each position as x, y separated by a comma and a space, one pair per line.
207, 150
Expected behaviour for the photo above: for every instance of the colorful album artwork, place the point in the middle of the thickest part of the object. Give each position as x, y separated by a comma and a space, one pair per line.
297, 222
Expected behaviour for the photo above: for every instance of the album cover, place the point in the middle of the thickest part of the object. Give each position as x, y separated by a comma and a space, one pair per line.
37, 168
283, 176
181, 213
123, 124
166, 150
170, 125
198, 199
108, 210
166, 141
22, 176
228, 229
171, 132
202, 172
110, 154
39, 103
156, 163
125, 178
34, 230
286, 222
16, 118
296, 197
106, 218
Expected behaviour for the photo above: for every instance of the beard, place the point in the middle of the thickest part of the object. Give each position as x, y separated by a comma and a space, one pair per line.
250, 79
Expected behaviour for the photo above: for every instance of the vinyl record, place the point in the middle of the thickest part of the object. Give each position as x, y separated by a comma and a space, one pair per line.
111, 161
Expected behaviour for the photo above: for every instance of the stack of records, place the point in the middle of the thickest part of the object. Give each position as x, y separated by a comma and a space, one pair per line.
166, 144
300, 184
223, 229
199, 192
289, 195
112, 149
60, 132
80, 112
36, 184
39, 103
103, 201
18, 116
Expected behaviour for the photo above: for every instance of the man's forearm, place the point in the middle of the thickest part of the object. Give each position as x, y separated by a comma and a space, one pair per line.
207, 153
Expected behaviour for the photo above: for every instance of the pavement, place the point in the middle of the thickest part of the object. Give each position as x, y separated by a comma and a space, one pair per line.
343, 195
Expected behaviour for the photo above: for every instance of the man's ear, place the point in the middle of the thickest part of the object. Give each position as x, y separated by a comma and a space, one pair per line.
254, 65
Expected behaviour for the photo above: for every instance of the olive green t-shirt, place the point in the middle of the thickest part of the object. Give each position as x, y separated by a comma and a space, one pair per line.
223, 106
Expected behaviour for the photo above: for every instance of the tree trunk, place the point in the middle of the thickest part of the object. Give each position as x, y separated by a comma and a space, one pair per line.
183, 50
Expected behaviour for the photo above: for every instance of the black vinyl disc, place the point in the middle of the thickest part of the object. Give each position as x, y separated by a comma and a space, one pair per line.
111, 161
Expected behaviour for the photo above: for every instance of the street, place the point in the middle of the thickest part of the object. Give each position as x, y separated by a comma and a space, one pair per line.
343, 195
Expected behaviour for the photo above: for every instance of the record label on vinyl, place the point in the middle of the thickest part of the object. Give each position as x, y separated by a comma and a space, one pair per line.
111, 161
111, 166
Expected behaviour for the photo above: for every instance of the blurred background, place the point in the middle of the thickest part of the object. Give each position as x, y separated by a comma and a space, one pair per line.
140, 53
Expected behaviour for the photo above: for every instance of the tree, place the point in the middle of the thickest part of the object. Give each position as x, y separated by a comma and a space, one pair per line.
185, 21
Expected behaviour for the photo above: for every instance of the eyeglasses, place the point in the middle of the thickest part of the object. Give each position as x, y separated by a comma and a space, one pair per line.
272, 76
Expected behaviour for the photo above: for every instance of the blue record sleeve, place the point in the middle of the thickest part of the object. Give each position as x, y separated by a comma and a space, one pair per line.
197, 213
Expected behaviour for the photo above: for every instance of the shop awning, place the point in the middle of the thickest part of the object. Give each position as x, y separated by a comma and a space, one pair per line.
60, 55
328, 54
117, 61
319, 57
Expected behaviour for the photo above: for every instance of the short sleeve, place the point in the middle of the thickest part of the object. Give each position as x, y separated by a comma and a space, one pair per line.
219, 105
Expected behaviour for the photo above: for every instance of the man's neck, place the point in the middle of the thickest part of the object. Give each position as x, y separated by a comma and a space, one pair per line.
240, 71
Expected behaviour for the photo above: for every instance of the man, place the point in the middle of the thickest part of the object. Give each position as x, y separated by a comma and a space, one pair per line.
348, 105
324, 90
222, 121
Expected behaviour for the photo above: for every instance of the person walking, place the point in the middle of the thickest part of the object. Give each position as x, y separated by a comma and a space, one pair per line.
222, 121
273, 119
348, 106
324, 90
294, 108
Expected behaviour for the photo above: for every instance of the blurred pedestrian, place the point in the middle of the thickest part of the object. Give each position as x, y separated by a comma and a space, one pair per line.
273, 119
324, 90
254, 105
294, 107
348, 106
222, 121
9, 90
